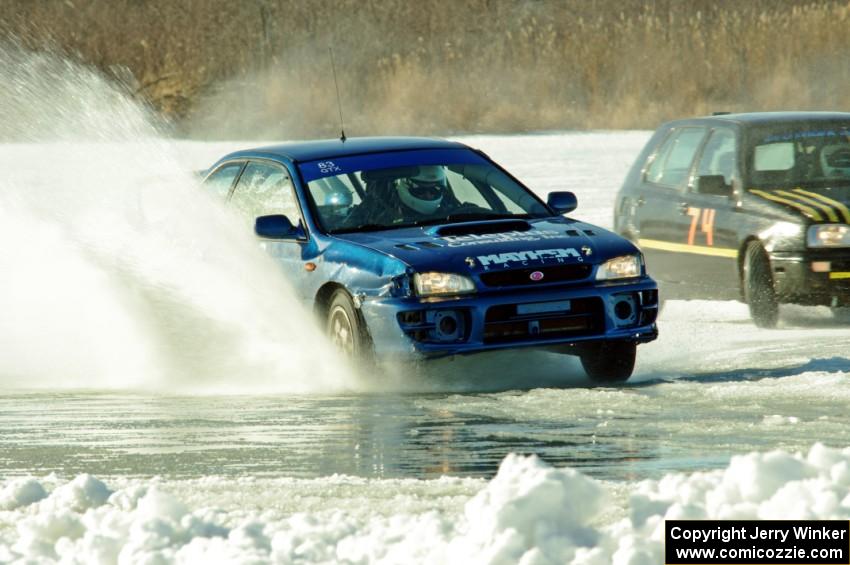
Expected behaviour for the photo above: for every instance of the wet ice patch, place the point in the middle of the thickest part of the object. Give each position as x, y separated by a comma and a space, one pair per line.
529, 512
779, 420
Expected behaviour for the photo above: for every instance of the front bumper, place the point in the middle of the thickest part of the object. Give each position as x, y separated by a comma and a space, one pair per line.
813, 278
488, 321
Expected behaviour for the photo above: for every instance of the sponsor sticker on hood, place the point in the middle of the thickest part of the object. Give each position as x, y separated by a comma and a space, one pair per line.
490, 238
521, 258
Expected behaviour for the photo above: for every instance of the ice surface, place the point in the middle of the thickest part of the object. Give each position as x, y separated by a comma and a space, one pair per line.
530, 512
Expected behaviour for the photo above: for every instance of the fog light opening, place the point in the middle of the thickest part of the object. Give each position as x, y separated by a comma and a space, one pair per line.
625, 310
447, 326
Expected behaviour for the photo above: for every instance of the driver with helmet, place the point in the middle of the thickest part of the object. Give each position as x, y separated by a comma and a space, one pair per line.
424, 192
421, 196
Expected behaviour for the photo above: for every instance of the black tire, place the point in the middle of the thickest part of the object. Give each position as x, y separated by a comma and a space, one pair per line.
346, 328
759, 291
609, 361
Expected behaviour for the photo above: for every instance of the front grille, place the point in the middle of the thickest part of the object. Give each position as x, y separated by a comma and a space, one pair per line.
521, 277
503, 324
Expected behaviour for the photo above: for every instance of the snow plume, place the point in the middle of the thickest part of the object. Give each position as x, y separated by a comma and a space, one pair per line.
118, 271
528, 513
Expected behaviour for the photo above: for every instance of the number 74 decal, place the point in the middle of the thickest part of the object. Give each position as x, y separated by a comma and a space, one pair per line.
705, 218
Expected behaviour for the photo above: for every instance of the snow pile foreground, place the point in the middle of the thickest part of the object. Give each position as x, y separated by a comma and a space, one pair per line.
529, 513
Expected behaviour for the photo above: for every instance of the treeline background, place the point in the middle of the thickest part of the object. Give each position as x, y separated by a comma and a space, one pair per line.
261, 68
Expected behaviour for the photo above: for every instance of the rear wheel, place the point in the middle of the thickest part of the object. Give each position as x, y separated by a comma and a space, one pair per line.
346, 328
609, 361
758, 287
841, 314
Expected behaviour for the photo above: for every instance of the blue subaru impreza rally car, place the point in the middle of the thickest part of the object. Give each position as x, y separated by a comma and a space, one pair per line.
413, 248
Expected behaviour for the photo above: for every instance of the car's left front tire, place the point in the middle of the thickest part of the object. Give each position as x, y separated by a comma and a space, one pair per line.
346, 328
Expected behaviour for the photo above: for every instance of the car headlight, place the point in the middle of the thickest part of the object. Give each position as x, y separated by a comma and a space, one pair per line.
441, 284
828, 235
624, 267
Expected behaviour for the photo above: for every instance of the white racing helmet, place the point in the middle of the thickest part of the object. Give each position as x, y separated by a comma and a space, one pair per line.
424, 191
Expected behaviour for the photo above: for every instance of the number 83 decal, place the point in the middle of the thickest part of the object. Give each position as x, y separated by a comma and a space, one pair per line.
704, 218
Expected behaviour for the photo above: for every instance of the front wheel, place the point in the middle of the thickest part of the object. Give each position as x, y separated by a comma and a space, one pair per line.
758, 287
346, 328
609, 361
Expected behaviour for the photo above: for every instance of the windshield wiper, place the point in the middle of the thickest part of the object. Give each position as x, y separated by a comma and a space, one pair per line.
823, 182
362, 228
451, 218
478, 216
473, 216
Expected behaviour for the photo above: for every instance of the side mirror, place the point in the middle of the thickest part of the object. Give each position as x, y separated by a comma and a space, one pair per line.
276, 226
713, 184
562, 202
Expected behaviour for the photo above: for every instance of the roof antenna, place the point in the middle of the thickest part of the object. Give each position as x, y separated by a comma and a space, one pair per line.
342, 137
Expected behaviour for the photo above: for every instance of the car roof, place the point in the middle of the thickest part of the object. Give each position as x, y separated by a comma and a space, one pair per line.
758, 118
328, 148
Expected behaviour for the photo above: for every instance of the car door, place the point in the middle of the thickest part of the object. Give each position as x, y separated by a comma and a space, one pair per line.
661, 213
709, 263
265, 188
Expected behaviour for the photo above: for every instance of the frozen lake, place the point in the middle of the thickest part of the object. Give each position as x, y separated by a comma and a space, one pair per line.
213, 403
713, 385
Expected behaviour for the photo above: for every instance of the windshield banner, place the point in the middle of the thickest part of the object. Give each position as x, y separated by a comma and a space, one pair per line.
312, 170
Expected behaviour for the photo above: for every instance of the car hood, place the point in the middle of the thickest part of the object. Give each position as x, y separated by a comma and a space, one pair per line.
818, 204
499, 244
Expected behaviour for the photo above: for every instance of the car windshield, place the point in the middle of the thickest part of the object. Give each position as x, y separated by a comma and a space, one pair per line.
413, 188
799, 154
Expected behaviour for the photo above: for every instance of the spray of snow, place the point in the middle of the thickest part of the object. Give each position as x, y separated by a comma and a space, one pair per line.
118, 270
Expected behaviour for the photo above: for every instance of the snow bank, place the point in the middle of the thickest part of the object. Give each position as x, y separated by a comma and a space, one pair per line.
529, 513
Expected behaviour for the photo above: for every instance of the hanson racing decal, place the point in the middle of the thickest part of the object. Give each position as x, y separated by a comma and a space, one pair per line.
523, 257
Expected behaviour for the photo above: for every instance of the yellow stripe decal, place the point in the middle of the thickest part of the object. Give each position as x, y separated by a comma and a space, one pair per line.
810, 212
685, 248
830, 211
841, 207
837, 275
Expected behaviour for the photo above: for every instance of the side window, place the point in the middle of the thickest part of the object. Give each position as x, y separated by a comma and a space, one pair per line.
221, 180
774, 157
673, 161
334, 197
265, 189
718, 156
